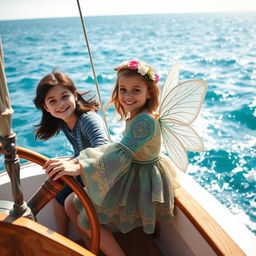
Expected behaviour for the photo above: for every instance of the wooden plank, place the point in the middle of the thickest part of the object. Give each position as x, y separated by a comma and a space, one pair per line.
31, 238
138, 243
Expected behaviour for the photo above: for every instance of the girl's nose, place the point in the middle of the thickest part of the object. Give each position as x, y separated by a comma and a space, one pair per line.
129, 94
60, 103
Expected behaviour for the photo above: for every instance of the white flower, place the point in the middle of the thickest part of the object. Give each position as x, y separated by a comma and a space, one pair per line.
124, 64
143, 69
151, 74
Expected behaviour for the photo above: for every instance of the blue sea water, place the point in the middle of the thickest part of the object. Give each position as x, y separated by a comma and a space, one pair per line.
219, 48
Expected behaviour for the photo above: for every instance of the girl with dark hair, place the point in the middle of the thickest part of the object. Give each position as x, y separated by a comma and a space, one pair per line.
64, 109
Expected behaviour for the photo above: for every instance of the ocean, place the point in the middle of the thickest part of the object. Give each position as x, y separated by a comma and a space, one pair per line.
219, 48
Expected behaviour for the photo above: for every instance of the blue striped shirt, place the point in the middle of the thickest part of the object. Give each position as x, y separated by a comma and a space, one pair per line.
88, 132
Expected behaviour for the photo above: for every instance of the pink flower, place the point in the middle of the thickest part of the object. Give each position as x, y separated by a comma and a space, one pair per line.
134, 62
133, 65
141, 68
156, 78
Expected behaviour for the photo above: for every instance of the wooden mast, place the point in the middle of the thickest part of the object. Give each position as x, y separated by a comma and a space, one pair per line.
8, 140
5, 104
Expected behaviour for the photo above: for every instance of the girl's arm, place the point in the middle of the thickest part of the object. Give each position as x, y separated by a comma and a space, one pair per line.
93, 127
141, 130
56, 168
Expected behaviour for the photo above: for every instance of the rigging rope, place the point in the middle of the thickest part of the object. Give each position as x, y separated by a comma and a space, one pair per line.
93, 69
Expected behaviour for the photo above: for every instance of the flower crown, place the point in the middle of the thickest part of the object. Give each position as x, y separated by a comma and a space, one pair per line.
140, 67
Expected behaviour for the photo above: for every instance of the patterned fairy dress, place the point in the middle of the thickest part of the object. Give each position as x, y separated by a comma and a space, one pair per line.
130, 183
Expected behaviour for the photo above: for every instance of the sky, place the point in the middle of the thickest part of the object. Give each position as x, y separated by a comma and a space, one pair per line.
28, 9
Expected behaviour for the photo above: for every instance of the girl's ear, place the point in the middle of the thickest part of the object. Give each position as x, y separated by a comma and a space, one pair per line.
45, 107
76, 96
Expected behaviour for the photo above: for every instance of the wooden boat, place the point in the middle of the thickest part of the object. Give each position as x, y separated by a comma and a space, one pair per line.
201, 226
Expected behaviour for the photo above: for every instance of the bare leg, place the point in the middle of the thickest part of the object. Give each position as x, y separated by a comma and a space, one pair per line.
108, 243
73, 214
61, 218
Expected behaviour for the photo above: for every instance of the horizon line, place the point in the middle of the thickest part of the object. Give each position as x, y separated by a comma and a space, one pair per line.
136, 14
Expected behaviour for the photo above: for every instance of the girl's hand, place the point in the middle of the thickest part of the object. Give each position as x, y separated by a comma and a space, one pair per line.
55, 168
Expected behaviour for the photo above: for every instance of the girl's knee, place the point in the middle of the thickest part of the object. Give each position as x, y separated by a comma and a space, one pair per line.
68, 204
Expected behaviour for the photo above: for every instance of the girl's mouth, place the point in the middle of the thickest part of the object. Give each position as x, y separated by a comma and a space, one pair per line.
63, 110
129, 102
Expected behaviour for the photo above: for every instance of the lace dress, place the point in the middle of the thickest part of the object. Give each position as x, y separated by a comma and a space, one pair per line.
129, 182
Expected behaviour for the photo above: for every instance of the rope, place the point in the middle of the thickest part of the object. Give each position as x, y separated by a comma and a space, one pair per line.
93, 69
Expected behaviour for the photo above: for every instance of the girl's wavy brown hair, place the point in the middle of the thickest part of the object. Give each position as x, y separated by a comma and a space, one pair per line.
152, 103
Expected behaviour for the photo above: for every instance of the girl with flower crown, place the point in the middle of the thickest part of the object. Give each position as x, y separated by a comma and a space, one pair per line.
130, 183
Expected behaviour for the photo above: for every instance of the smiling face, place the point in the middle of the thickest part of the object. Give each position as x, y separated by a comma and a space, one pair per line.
133, 94
60, 102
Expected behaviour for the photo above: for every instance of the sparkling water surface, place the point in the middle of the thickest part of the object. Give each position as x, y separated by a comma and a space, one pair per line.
219, 48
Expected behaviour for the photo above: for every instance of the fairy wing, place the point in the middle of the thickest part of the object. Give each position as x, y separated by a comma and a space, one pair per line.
174, 149
182, 103
179, 107
171, 80
177, 140
186, 135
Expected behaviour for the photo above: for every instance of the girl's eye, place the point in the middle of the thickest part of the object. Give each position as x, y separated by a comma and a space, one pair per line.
65, 96
122, 89
136, 90
52, 102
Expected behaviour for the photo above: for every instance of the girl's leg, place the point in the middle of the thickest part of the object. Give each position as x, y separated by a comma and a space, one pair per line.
73, 215
61, 218
108, 244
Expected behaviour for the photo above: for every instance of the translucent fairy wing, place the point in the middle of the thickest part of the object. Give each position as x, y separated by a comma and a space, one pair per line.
183, 102
171, 80
180, 106
175, 149
186, 135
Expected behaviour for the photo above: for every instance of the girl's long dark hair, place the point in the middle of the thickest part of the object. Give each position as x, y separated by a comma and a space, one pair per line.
50, 125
